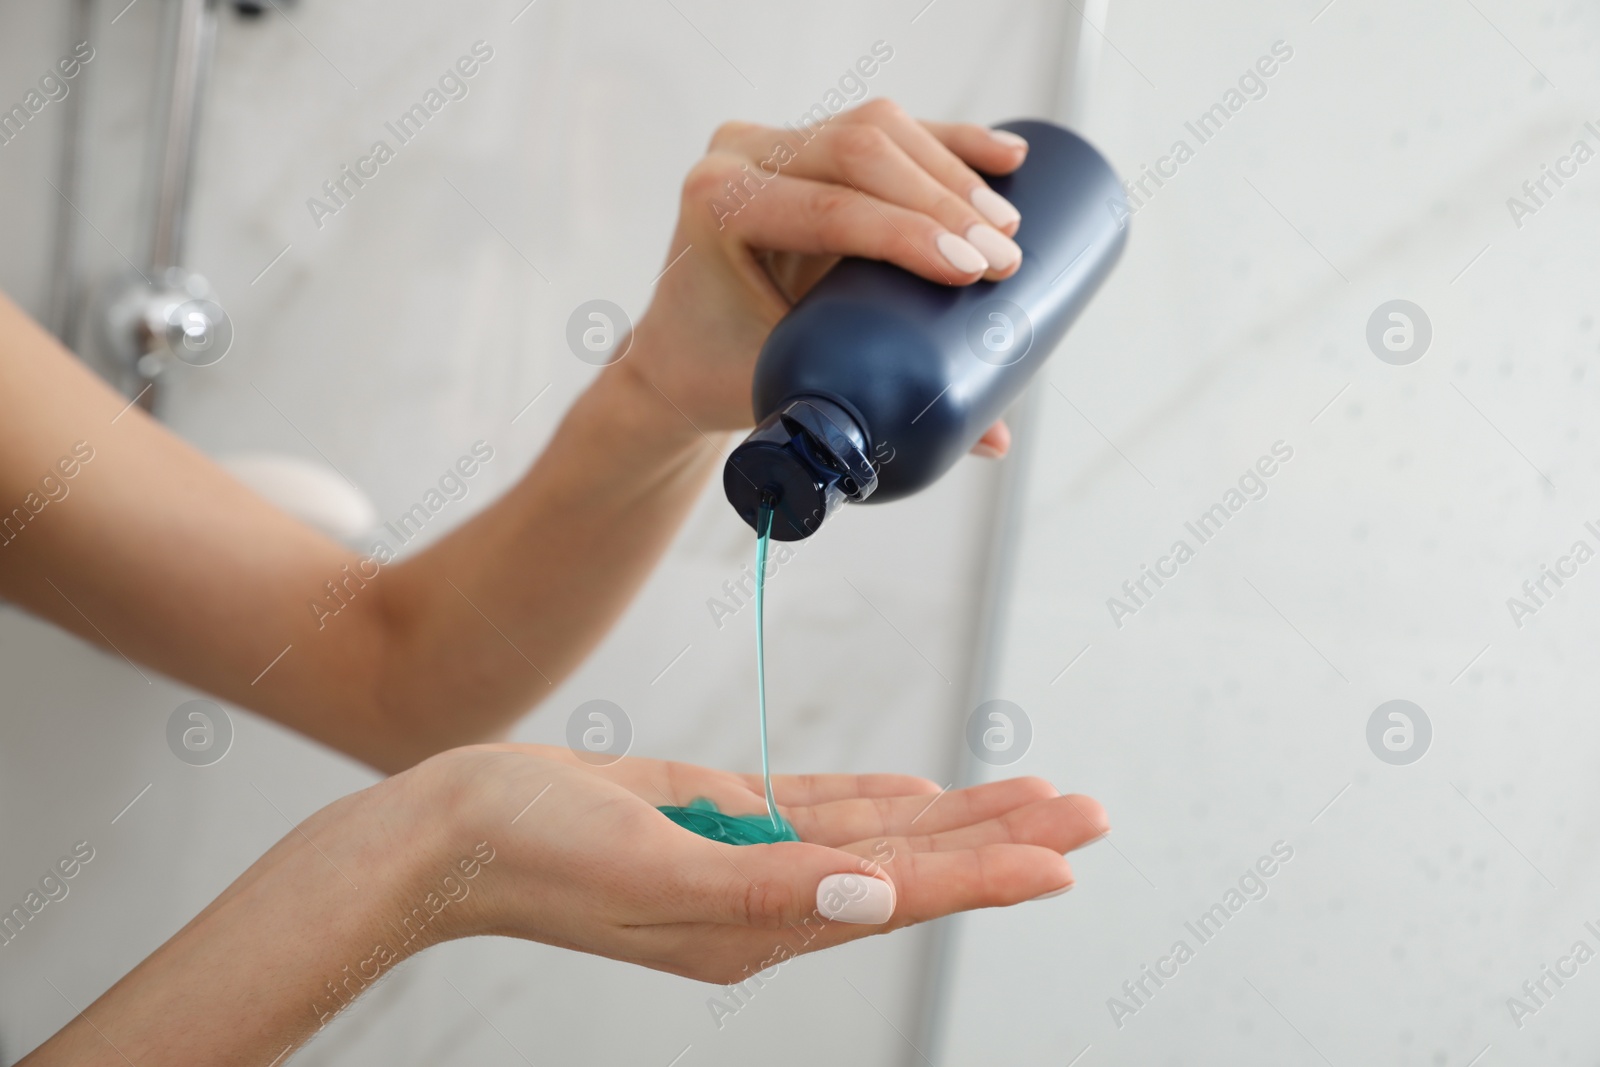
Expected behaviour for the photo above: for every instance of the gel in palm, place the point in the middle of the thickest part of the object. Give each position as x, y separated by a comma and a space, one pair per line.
702, 815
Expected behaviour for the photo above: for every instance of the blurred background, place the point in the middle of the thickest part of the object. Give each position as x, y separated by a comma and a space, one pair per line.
1357, 272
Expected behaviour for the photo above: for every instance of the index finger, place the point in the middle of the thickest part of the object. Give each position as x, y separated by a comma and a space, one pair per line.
851, 819
986, 150
807, 789
947, 164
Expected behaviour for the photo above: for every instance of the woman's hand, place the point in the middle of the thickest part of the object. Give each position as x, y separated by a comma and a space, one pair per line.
768, 211
584, 860
528, 841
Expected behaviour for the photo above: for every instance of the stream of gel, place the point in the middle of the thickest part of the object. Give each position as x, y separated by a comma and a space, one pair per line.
702, 815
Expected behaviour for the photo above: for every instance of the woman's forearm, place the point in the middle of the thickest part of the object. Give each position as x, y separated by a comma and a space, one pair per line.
152, 551
157, 554
328, 911
486, 622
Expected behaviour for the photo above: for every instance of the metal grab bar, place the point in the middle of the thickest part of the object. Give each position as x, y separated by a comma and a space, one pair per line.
194, 43
167, 312
62, 313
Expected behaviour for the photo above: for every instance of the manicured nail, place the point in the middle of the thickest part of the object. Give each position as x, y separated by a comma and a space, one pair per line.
1009, 139
962, 256
992, 206
1055, 892
1001, 251
855, 898
984, 451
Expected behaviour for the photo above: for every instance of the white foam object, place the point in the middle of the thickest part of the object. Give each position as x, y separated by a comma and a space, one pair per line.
309, 491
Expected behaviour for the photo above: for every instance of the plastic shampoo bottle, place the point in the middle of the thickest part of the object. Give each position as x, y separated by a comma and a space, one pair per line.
877, 381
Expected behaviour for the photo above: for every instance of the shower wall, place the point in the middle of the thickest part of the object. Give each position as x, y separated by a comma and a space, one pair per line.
1261, 507
426, 313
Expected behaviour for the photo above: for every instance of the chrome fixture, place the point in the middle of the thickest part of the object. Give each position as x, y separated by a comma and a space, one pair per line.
163, 313
145, 320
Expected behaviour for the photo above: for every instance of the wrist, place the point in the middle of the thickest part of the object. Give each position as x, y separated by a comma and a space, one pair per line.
642, 410
310, 926
429, 858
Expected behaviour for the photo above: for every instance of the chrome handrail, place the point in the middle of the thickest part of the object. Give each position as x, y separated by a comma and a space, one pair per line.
167, 312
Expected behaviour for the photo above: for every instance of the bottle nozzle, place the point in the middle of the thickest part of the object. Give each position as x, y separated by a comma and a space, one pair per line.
803, 460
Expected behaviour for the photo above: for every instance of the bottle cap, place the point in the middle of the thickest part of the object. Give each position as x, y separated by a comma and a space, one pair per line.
808, 457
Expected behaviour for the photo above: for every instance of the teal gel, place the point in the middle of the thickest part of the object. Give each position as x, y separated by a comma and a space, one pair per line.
702, 816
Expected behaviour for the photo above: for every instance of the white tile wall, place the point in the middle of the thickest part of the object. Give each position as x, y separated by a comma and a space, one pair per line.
1229, 712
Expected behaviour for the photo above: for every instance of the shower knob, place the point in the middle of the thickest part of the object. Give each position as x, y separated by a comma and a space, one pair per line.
198, 331
151, 322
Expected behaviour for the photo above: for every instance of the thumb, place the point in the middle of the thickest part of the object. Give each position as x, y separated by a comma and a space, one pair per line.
768, 887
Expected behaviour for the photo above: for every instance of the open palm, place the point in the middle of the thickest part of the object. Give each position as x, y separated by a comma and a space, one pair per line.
594, 866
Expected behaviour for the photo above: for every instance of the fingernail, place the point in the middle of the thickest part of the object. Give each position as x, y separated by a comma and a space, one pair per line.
962, 256
855, 898
992, 206
986, 451
1055, 892
1001, 251
1009, 139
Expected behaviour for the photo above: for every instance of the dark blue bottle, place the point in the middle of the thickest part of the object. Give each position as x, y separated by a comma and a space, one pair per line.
877, 381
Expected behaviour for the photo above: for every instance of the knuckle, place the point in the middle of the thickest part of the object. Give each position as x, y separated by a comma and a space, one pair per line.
881, 109
837, 236
1038, 787
766, 903
958, 212
971, 133
728, 133
855, 146
884, 808
708, 178
831, 208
